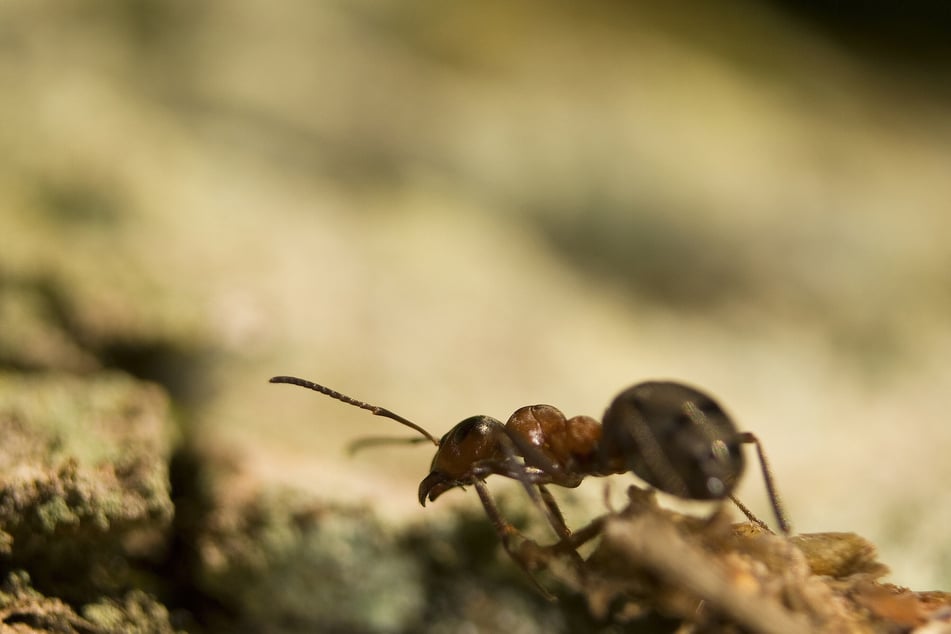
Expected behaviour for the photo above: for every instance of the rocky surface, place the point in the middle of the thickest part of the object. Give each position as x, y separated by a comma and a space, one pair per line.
112, 520
85, 506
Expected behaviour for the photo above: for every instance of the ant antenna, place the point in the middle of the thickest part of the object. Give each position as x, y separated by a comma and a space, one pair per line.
377, 411
369, 442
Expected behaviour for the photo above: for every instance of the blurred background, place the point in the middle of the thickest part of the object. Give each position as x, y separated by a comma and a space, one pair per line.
451, 209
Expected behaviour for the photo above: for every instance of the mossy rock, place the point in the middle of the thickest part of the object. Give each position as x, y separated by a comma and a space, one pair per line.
84, 489
24, 610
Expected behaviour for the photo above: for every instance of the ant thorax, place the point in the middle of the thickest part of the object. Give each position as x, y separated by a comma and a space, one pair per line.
564, 449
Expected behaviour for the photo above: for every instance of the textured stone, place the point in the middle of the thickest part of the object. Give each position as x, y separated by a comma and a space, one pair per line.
83, 478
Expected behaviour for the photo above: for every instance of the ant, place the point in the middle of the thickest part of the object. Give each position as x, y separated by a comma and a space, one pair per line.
674, 437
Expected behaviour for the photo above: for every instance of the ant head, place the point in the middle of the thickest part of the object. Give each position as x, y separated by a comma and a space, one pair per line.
676, 438
474, 440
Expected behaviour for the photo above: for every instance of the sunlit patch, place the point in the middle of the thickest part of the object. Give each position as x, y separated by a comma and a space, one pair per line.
719, 450
694, 413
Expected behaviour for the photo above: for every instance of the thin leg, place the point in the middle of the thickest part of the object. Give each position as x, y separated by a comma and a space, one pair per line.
581, 536
749, 514
774, 499
554, 513
540, 495
558, 523
506, 532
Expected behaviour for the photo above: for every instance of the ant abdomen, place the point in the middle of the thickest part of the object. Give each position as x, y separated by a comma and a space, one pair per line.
675, 438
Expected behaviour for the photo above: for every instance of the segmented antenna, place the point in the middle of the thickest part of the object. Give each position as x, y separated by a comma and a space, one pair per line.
377, 411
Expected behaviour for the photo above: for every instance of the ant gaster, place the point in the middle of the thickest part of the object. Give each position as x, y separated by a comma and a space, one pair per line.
672, 436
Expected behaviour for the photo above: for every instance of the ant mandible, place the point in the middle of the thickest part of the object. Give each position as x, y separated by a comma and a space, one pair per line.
674, 437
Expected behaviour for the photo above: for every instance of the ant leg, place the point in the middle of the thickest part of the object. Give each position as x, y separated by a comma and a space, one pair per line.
774, 500
541, 497
554, 513
557, 520
506, 531
749, 514
581, 536
538, 492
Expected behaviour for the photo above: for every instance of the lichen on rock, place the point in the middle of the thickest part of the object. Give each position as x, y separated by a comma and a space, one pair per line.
83, 478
